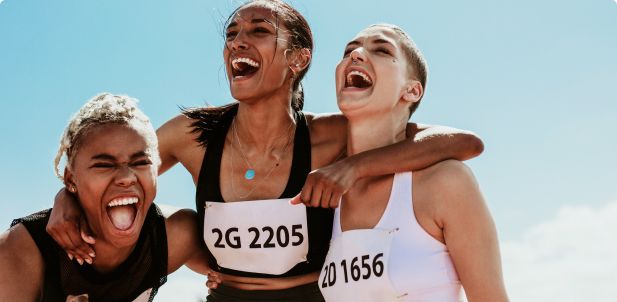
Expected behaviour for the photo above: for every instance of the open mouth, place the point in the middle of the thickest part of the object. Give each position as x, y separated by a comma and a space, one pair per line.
122, 212
358, 79
243, 67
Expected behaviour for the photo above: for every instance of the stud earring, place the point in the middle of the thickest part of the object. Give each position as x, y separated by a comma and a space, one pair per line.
72, 189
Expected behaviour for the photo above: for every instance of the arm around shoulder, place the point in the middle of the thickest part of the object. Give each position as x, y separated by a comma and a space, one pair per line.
21, 265
183, 242
449, 142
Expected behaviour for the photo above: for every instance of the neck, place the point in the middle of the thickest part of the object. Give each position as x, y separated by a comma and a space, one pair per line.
109, 257
374, 131
261, 124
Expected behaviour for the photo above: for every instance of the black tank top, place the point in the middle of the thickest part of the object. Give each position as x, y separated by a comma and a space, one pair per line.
144, 269
319, 220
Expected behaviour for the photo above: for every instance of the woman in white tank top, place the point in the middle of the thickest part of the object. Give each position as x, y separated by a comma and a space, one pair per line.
401, 237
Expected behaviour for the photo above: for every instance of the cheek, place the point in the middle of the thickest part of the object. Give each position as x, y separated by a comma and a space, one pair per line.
339, 76
91, 192
147, 180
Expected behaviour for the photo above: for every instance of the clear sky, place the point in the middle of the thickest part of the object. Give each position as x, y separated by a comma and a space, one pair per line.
537, 80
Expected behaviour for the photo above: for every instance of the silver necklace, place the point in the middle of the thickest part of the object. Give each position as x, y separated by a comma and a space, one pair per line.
258, 184
249, 174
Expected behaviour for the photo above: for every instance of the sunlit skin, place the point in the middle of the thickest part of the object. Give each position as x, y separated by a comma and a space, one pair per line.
254, 34
263, 122
445, 195
113, 162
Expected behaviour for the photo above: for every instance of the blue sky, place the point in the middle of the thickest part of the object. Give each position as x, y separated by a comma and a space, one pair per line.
535, 79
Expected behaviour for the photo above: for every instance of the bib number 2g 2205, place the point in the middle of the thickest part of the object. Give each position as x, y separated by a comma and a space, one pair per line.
359, 268
279, 237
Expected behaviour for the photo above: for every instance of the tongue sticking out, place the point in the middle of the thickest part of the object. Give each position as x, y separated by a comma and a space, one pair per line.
122, 217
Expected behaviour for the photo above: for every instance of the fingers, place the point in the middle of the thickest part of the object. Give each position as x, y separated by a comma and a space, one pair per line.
326, 195
335, 200
307, 189
70, 240
296, 199
315, 200
84, 230
211, 284
214, 280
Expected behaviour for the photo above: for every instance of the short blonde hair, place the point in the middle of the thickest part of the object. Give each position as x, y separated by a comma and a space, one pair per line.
104, 108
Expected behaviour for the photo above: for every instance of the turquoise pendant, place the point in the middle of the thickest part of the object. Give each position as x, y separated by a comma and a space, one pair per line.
250, 174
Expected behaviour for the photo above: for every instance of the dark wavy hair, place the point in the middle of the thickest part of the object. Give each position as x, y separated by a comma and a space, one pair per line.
208, 119
300, 36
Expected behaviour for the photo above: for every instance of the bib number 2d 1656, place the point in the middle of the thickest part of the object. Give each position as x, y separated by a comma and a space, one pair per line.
361, 267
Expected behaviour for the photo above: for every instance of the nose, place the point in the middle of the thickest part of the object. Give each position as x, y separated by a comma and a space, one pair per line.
238, 42
357, 55
125, 176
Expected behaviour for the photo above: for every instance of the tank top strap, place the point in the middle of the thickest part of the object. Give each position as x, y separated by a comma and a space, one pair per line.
400, 204
208, 183
301, 161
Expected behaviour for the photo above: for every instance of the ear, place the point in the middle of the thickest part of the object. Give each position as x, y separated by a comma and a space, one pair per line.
69, 181
298, 59
413, 91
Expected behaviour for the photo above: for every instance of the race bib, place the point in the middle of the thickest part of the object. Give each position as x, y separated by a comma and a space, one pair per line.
356, 267
258, 236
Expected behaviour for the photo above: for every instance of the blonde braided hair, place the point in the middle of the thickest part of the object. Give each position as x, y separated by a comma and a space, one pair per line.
104, 108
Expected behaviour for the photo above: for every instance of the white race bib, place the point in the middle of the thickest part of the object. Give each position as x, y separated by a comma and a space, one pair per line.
356, 267
258, 236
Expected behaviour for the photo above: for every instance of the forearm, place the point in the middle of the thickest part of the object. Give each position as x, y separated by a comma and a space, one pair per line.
418, 152
199, 263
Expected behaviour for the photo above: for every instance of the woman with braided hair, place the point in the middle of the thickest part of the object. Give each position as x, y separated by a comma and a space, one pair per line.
112, 159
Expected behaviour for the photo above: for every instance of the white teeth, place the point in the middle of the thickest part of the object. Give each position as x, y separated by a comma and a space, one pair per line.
358, 73
248, 61
122, 201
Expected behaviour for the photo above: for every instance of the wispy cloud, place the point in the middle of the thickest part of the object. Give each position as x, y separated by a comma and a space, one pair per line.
569, 258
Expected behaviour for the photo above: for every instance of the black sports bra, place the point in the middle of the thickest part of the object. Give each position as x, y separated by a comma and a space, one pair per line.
319, 220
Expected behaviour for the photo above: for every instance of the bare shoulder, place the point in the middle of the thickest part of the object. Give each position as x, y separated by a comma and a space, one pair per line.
451, 190
446, 180
179, 124
21, 264
178, 143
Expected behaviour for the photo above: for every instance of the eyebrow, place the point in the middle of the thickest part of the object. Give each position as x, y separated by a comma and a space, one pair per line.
352, 43
105, 156
376, 41
253, 21
382, 41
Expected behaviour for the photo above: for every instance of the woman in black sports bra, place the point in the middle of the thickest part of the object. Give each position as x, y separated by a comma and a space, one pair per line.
259, 149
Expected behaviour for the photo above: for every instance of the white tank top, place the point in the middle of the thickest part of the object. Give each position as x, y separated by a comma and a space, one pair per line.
418, 267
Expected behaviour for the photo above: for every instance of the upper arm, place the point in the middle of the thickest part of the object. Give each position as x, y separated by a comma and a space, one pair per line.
460, 144
171, 138
21, 265
182, 239
469, 232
